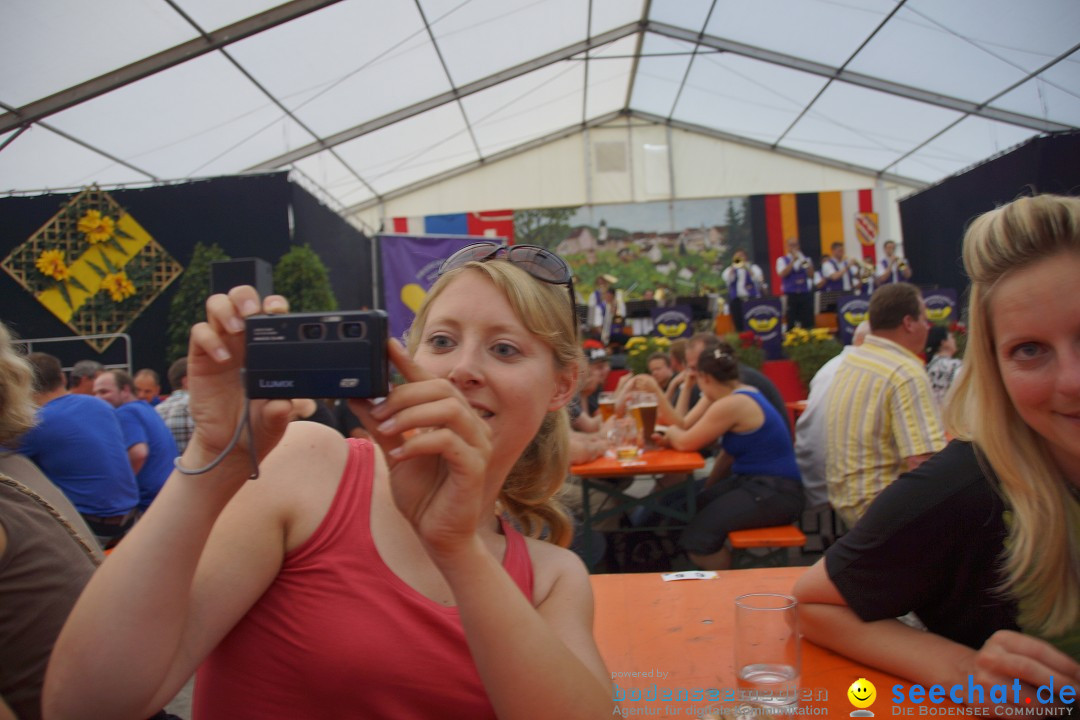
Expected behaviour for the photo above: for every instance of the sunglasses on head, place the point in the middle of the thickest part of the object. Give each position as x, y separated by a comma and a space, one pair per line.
539, 262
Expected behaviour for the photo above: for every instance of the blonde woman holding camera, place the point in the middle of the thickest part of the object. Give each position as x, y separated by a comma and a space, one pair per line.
351, 578
982, 541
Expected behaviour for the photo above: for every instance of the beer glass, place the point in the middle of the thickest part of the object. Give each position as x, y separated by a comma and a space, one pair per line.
643, 407
607, 405
623, 438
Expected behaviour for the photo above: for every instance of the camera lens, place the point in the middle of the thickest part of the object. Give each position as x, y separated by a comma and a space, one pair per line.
352, 330
312, 331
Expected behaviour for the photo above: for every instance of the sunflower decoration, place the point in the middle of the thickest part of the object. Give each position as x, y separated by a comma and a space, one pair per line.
51, 264
96, 227
93, 266
118, 286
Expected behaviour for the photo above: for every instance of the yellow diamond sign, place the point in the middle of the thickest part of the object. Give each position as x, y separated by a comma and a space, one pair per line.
93, 266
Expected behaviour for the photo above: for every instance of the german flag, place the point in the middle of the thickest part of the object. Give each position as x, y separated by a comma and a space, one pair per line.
818, 220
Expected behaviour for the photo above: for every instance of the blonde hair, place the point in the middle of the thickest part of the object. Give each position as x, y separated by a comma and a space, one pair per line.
16, 391
1042, 558
530, 492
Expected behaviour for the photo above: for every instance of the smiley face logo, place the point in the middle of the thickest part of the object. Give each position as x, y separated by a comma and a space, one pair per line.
862, 693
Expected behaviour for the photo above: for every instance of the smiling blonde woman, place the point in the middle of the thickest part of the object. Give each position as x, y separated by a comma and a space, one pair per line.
982, 541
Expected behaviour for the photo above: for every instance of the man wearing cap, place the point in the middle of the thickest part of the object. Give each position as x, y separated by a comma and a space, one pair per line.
604, 305
586, 405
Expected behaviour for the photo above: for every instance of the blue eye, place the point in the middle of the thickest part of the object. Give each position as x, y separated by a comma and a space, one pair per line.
1026, 351
505, 350
439, 342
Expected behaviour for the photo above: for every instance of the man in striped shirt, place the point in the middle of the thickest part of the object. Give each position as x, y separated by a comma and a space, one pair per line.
881, 416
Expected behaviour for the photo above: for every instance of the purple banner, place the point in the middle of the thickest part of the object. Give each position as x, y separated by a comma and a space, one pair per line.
763, 317
410, 265
673, 322
941, 306
850, 311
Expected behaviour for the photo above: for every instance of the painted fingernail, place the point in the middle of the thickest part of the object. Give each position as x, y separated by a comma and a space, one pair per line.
235, 324
250, 307
387, 426
379, 411
221, 354
394, 453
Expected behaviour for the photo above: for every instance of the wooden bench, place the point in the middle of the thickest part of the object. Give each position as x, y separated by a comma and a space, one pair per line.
775, 540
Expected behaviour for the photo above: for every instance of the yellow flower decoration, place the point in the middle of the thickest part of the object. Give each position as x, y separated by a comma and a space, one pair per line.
51, 263
635, 341
97, 227
118, 286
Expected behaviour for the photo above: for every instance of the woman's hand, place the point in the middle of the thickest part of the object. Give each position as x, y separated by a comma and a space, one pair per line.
216, 354
1009, 655
438, 450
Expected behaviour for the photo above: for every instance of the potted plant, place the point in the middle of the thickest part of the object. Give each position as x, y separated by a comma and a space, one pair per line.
747, 347
189, 303
301, 276
810, 349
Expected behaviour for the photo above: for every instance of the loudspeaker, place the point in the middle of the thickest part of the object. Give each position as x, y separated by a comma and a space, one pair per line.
227, 274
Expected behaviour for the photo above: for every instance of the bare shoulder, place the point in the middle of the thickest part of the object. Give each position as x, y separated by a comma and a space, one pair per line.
557, 571
300, 477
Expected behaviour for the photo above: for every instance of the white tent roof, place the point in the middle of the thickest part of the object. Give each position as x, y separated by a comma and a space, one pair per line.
368, 98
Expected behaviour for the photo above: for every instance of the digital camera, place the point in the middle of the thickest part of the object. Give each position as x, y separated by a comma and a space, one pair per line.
317, 355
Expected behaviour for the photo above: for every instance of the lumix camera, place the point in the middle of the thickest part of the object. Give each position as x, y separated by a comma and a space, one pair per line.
317, 355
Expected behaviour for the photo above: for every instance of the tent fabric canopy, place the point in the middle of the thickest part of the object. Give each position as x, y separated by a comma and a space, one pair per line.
365, 98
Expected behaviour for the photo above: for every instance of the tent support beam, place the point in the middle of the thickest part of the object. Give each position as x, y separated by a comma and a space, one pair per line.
866, 81
443, 98
108, 82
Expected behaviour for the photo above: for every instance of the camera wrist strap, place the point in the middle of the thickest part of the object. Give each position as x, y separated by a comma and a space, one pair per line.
245, 422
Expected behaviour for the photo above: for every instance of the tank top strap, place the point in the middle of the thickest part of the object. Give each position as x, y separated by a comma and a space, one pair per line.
352, 500
516, 562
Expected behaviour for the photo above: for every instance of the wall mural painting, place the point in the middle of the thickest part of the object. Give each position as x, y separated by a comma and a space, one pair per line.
674, 248
93, 266
678, 248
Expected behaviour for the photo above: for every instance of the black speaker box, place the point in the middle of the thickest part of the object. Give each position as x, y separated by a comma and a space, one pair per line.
227, 274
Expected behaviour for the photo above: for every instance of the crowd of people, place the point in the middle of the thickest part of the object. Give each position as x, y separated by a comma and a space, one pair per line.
429, 535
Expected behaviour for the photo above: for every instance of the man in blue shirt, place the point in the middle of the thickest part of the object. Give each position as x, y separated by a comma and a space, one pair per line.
78, 444
150, 446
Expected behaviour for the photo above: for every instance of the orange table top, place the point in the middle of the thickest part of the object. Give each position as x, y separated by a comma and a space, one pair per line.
650, 462
679, 635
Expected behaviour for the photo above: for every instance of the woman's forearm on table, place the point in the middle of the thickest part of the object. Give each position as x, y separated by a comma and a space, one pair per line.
889, 645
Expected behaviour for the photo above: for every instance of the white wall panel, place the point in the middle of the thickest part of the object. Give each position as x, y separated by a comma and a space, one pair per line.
554, 176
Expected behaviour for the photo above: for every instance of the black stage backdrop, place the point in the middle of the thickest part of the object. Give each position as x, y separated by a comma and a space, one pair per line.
247, 216
934, 220
344, 250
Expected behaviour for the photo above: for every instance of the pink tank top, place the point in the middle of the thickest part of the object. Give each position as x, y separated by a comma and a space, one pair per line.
339, 635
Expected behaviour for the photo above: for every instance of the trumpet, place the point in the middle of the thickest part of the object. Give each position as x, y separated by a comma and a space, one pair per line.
803, 263
738, 263
902, 264
866, 269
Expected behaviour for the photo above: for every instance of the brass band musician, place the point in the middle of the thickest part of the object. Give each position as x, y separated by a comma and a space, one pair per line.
892, 268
